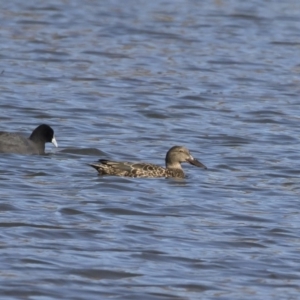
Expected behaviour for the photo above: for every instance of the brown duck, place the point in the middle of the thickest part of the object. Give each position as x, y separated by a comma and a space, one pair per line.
175, 156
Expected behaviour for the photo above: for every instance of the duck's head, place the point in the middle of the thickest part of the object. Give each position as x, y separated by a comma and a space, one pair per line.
179, 154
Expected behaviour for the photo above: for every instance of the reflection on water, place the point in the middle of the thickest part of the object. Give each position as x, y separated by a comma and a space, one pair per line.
127, 83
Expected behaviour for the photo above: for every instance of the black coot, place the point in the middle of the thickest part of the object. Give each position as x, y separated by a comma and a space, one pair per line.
35, 144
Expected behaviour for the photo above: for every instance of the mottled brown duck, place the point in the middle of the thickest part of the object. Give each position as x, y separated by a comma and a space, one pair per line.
175, 156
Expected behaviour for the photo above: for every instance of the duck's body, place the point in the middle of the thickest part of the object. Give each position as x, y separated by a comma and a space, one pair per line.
128, 169
175, 156
35, 144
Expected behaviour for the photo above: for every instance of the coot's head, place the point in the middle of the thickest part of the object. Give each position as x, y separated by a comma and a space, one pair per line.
43, 134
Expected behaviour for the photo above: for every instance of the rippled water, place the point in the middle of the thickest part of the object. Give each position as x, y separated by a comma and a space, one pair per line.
126, 81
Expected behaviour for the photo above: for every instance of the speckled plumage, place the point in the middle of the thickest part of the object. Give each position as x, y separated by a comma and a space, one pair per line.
175, 156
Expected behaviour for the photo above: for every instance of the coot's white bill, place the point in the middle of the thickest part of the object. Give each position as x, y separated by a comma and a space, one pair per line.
54, 142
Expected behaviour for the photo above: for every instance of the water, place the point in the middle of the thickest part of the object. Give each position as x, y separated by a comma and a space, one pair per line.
127, 82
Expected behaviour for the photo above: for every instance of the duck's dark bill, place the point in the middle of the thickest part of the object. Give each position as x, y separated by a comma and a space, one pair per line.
197, 163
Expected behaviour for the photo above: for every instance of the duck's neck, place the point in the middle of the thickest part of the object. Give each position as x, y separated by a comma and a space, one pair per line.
173, 166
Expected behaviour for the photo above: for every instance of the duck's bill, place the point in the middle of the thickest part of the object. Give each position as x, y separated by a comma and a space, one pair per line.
54, 142
197, 163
